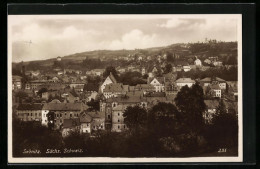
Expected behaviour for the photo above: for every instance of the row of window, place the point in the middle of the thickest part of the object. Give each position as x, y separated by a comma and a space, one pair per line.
30, 114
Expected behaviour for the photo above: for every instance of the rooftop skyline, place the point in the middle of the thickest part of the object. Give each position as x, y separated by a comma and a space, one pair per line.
38, 37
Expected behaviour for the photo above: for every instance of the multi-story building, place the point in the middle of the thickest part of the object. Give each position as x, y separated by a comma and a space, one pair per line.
115, 90
17, 82
30, 112
61, 111
184, 81
210, 81
157, 82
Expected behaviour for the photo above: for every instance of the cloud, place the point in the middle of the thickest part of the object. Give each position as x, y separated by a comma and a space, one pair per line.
135, 39
183, 23
60, 35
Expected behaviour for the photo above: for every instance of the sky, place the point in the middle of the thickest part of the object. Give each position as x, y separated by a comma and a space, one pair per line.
60, 35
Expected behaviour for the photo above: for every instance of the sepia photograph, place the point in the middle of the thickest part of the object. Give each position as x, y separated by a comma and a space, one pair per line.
125, 88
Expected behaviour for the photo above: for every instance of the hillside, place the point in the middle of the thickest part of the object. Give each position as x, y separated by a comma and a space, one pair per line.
202, 50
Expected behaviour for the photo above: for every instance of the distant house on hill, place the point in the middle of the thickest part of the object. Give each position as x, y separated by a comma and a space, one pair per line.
58, 58
197, 62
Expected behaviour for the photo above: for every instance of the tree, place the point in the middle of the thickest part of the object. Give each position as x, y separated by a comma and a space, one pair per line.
168, 68
135, 118
163, 119
42, 90
110, 69
190, 102
169, 57
224, 128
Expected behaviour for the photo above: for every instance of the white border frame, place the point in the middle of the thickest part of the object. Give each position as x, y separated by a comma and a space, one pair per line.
11, 159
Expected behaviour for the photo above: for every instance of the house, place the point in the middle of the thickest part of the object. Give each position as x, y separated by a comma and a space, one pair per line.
143, 71
233, 88
186, 68
29, 112
157, 82
215, 90
79, 89
214, 80
184, 81
35, 73
58, 58
115, 89
145, 88
85, 122
217, 63
70, 125
77, 83
213, 59
70, 97
16, 82
109, 104
98, 72
197, 62
61, 111
211, 107
60, 72
207, 61
98, 120
110, 79
34, 84
118, 124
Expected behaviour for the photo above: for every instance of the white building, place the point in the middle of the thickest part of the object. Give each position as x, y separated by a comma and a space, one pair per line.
197, 62
185, 81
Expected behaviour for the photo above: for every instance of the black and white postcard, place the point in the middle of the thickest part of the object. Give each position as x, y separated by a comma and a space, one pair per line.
125, 88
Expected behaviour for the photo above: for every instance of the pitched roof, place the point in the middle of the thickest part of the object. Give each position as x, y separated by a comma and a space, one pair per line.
63, 106
159, 79
209, 79
91, 87
85, 118
112, 77
96, 114
185, 80
67, 123
115, 87
30, 107
144, 87
215, 87
15, 77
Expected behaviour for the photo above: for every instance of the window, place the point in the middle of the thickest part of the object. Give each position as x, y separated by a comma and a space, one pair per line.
31, 114
70, 115
124, 126
61, 115
118, 127
118, 114
60, 121
118, 120
108, 116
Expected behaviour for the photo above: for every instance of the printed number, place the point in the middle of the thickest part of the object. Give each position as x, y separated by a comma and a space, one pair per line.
222, 150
